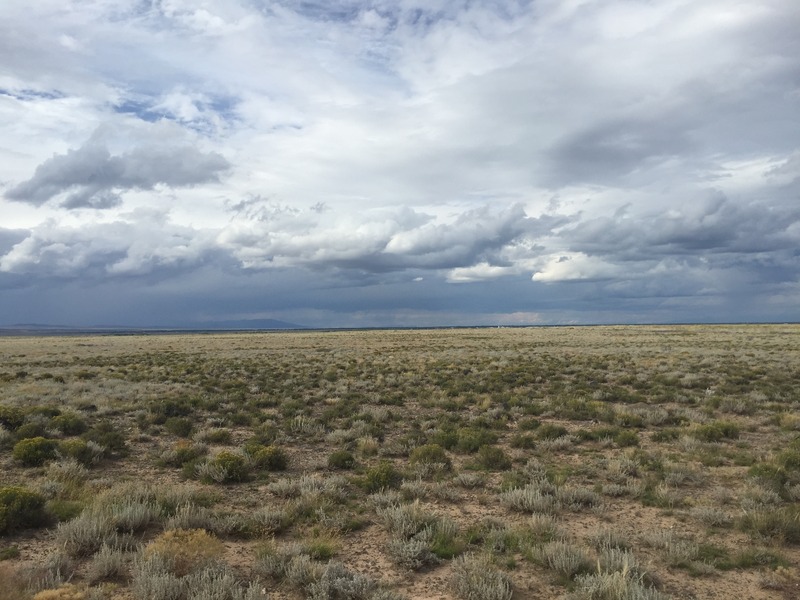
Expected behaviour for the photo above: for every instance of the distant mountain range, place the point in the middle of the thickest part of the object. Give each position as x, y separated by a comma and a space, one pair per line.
234, 325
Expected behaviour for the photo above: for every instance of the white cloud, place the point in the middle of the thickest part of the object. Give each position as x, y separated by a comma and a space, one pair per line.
480, 272
576, 266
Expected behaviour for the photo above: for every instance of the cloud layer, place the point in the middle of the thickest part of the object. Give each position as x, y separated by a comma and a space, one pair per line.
365, 162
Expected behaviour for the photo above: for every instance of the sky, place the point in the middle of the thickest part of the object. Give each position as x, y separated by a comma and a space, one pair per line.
363, 163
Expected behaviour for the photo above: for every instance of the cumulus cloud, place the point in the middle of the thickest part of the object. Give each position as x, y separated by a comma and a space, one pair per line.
480, 272
91, 177
384, 240
576, 266
143, 244
476, 245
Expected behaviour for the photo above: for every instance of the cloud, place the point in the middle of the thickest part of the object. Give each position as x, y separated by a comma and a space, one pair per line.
480, 272
144, 244
476, 245
91, 177
608, 152
384, 240
576, 266
402, 159
713, 225
10, 237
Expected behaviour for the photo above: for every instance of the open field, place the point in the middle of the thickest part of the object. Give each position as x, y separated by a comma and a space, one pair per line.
584, 463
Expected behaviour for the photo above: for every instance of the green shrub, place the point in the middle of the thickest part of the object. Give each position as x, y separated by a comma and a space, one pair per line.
382, 476
33, 452
649, 461
11, 417
233, 466
106, 435
598, 433
523, 441
716, 431
780, 523
271, 458
321, 547
77, 449
625, 419
446, 438
216, 436
430, 454
445, 542
789, 459
239, 419
265, 435
45, 411
769, 475
626, 438
528, 424
668, 434
20, 508
164, 409
549, 431
183, 452
748, 558
470, 439
31, 430
341, 459
69, 424
178, 426
493, 458
64, 510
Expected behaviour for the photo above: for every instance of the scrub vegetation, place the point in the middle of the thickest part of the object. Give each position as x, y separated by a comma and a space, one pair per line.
478, 464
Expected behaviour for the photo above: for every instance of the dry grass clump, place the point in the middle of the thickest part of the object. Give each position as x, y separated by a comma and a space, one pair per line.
185, 550
65, 592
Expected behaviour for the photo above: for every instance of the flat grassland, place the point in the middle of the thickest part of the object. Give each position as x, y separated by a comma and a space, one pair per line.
578, 462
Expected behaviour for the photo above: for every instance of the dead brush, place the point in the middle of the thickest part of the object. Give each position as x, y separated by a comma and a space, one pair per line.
185, 550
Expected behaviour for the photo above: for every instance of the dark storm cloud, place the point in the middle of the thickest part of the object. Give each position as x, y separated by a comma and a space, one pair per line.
714, 225
607, 152
91, 176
